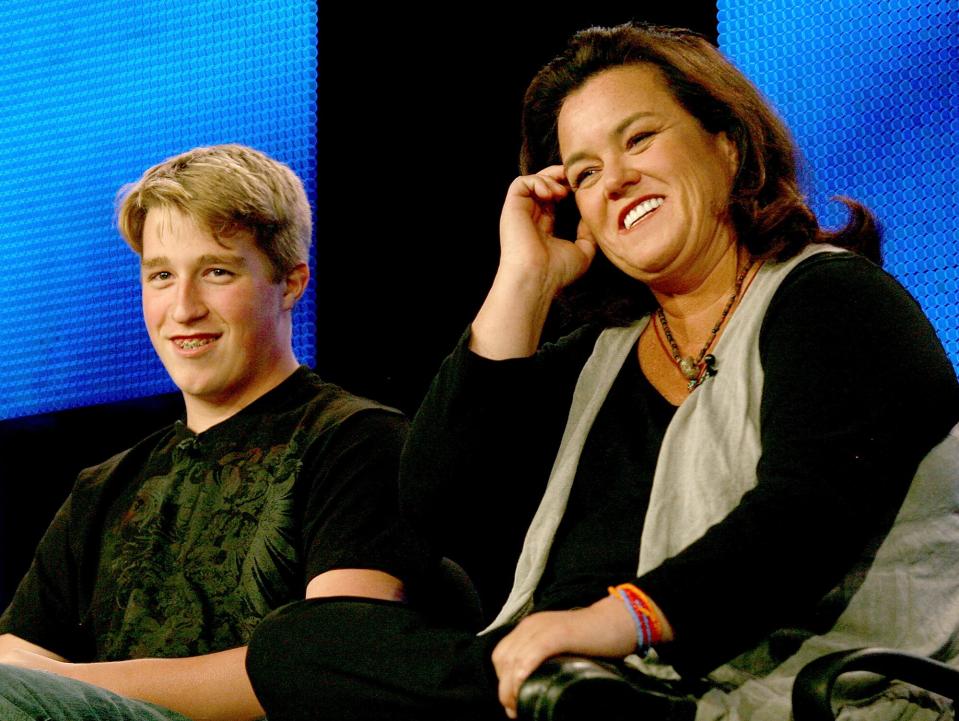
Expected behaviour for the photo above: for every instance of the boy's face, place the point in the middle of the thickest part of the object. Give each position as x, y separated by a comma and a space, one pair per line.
219, 323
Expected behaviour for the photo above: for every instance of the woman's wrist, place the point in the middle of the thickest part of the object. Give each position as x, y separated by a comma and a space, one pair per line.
612, 634
510, 323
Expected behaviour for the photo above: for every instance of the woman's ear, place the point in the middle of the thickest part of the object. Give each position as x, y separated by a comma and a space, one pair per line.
583, 233
730, 149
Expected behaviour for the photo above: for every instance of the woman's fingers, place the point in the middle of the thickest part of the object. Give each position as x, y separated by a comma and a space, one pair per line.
521, 652
603, 629
531, 202
543, 187
513, 669
556, 172
527, 226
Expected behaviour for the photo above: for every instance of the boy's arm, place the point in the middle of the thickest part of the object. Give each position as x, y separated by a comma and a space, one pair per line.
10, 643
212, 687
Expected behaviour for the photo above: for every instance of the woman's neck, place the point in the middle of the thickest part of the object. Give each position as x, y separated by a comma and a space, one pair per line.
694, 312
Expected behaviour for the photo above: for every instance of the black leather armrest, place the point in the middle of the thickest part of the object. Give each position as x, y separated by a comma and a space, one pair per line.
812, 692
575, 688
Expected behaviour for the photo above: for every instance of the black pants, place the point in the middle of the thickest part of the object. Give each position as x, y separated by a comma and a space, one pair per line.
350, 660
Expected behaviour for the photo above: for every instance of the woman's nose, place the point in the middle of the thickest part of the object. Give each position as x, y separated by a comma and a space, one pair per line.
618, 176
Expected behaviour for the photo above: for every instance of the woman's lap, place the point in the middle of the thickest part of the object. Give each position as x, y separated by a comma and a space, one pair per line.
352, 660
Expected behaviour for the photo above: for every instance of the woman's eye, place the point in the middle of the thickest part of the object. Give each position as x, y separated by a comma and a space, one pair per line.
636, 139
583, 177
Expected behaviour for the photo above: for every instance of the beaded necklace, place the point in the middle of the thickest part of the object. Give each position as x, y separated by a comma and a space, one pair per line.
698, 369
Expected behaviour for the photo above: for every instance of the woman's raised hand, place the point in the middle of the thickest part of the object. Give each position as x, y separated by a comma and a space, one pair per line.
534, 265
527, 244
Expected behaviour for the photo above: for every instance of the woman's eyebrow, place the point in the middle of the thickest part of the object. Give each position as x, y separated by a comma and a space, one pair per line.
620, 127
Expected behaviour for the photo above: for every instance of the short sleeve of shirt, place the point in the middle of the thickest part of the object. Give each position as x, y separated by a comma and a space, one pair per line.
44, 609
350, 517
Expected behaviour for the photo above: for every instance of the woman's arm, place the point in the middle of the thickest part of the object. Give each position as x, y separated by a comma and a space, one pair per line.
856, 390
479, 453
487, 426
483, 438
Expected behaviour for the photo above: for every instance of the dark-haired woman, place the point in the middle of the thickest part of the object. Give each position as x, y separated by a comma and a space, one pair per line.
755, 462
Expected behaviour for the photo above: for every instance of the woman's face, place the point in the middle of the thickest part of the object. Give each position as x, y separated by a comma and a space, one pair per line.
650, 183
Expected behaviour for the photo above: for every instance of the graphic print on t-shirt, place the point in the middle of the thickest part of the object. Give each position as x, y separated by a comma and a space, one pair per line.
205, 550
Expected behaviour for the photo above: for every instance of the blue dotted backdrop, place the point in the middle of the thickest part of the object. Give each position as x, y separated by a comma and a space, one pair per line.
93, 93
871, 92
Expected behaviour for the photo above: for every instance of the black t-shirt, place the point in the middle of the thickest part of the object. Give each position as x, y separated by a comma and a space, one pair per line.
181, 545
856, 390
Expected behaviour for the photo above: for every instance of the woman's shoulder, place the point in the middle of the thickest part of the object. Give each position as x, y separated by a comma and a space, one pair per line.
840, 280
844, 306
835, 263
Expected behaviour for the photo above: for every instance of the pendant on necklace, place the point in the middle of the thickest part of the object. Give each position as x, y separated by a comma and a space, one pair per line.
689, 368
696, 371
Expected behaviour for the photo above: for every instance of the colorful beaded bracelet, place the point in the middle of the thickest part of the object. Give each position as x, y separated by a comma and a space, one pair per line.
649, 629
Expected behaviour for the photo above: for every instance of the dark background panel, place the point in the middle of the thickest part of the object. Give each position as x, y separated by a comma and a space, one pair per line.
414, 156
